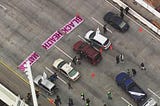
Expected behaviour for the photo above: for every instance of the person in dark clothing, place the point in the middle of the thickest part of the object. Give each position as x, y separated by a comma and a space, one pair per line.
142, 66
53, 77
58, 99
82, 96
76, 60
70, 102
121, 9
134, 72
104, 28
37, 93
82, 55
56, 102
126, 10
121, 15
87, 101
69, 85
117, 59
29, 97
104, 105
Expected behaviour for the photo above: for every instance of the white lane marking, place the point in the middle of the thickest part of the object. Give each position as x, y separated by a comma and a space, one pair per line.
152, 35
153, 93
63, 52
81, 38
3, 7
126, 101
57, 76
100, 24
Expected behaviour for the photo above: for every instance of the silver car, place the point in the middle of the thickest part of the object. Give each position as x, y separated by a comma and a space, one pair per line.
45, 84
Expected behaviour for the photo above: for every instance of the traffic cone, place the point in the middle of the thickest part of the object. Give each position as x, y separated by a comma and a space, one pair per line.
51, 101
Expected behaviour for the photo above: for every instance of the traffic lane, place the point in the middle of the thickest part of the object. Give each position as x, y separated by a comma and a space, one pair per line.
136, 49
17, 85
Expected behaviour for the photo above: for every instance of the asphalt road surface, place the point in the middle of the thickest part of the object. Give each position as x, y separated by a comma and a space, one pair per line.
26, 24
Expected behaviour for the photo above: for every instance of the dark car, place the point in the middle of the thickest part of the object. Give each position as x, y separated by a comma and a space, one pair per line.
91, 54
115, 21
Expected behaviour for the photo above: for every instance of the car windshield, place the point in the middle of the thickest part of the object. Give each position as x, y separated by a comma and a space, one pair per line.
61, 64
106, 42
122, 24
92, 35
72, 72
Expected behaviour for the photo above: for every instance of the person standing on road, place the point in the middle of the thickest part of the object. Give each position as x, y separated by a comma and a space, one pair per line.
117, 59
82, 96
87, 101
121, 15
126, 10
121, 9
121, 57
37, 93
142, 66
134, 72
104, 28
109, 94
69, 85
58, 99
70, 102
128, 72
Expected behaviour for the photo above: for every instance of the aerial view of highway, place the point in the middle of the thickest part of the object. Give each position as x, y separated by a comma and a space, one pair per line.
79, 53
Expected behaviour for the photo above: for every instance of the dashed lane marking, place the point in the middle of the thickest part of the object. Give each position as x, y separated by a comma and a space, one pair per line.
63, 52
3, 7
153, 93
126, 101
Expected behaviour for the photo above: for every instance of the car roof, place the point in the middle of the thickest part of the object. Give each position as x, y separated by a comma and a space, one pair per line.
100, 38
47, 83
44, 82
67, 68
56, 62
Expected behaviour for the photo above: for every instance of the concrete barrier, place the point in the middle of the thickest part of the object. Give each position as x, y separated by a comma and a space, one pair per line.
139, 17
10, 98
148, 7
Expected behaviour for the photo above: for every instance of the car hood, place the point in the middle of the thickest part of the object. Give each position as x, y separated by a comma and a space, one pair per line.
76, 76
88, 34
56, 62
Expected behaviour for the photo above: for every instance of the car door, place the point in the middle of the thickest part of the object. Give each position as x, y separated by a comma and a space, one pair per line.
96, 43
63, 72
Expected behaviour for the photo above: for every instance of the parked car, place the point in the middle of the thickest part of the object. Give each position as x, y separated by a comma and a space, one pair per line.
116, 21
132, 88
66, 69
91, 54
97, 39
45, 84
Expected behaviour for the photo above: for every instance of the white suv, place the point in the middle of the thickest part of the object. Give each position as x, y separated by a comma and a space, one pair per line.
97, 39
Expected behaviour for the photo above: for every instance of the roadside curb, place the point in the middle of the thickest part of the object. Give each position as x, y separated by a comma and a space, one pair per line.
138, 16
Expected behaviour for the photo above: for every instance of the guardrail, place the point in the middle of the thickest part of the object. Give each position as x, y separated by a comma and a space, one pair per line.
10, 98
148, 7
139, 17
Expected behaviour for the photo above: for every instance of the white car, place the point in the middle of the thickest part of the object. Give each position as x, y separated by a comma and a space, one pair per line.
66, 69
96, 39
